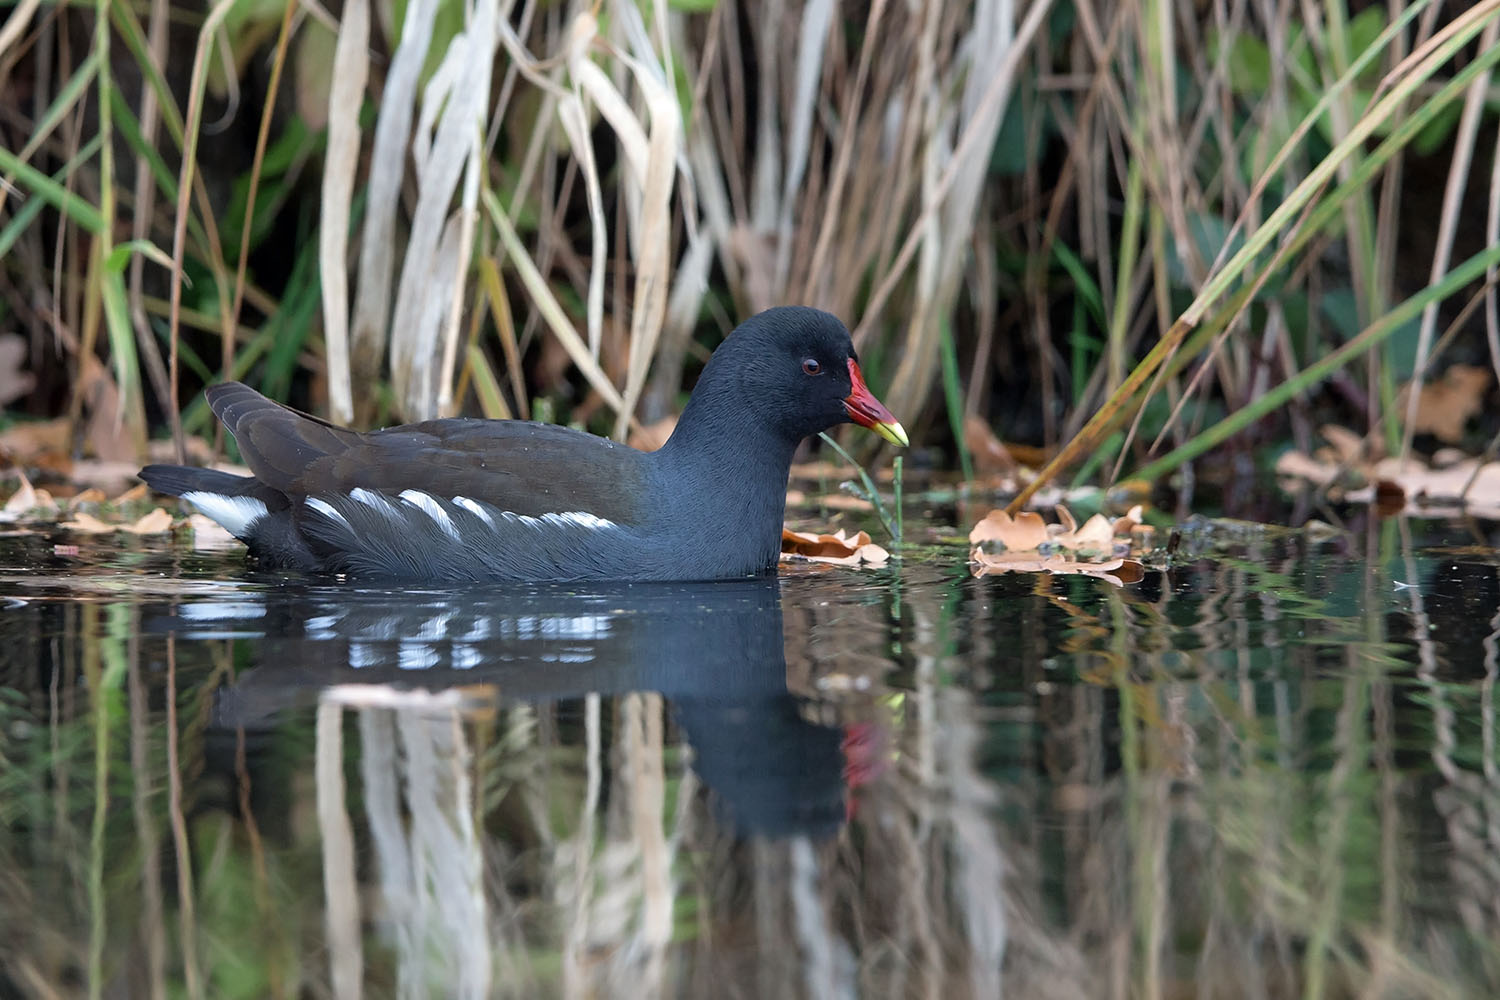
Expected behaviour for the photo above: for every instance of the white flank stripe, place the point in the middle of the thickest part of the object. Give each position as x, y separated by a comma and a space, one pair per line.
580, 519
565, 519
236, 514
428, 505
371, 499
476, 509
327, 510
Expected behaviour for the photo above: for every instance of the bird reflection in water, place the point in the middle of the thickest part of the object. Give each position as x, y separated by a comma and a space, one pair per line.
715, 652
471, 708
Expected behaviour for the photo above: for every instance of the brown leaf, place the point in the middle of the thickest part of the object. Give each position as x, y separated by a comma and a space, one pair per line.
652, 436
88, 524
1022, 533
839, 548
1087, 549
990, 455
25, 443
21, 502
109, 433
1445, 404
1349, 446
1129, 521
135, 494
91, 495
154, 523
1115, 571
1096, 535
15, 381
1066, 519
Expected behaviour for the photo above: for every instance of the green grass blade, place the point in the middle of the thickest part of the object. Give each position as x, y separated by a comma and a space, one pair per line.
1281, 394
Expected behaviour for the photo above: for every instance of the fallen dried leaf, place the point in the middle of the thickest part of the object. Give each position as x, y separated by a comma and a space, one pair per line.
1297, 465
1024, 532
88, 524
1412, 485
1115, 571
839, 549
154, 523
91, 495
652, 436
1445, 404
1348, 446
135, 494
1096, 535
22, 501
1070, 548
989, 454
26, 444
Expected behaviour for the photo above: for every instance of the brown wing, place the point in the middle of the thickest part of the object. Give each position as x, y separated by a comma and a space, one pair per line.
519, 466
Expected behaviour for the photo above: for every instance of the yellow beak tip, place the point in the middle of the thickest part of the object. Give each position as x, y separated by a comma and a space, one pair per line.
894, 433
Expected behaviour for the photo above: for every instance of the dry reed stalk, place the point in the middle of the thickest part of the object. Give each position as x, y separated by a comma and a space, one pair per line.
351, 67
1459, 169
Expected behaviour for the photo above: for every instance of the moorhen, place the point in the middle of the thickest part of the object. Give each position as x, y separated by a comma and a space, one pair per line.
470, 499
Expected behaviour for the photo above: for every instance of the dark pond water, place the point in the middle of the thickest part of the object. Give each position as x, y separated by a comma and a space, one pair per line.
1268, 772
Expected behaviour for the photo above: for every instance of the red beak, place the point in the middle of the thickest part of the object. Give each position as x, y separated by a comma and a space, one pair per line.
867, 411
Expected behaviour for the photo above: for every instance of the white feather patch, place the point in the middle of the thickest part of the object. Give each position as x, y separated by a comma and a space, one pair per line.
329, 511
564, 519
580, 519
371, 499
236, 514
476, 509
428, 505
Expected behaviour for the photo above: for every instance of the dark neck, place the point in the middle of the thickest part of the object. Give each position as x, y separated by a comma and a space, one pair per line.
729, 477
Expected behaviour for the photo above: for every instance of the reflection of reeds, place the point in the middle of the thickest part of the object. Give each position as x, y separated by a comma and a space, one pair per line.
1163, 803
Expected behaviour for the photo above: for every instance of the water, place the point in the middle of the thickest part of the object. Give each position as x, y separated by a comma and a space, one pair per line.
1269, 772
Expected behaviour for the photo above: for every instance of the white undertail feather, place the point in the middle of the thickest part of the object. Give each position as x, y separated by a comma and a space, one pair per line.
237, 514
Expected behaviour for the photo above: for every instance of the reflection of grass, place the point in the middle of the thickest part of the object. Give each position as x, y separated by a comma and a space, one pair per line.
1168, 802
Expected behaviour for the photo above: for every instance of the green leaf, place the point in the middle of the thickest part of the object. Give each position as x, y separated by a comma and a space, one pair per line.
59, 197
120, 255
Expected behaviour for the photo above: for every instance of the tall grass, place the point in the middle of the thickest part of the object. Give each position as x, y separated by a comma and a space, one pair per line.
1142, 211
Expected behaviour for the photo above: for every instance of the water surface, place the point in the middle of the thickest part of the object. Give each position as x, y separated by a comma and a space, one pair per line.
1269, 771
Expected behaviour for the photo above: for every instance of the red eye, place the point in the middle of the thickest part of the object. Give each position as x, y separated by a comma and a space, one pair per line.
812, 367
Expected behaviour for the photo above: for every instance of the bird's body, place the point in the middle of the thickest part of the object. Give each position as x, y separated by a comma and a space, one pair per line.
467, 499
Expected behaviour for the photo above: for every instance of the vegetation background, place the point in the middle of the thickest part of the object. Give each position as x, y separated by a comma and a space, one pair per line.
1180, 228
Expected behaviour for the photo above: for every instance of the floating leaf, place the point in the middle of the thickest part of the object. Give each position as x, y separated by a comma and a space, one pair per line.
1116, 571
21, 502
1024, 532
1027, 544
838, 548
